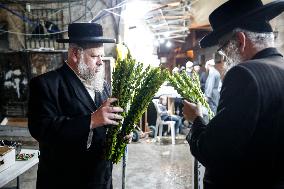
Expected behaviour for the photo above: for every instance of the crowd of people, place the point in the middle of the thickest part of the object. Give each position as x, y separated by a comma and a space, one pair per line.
211, 74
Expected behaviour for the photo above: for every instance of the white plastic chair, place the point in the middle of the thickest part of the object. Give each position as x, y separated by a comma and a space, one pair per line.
160, 123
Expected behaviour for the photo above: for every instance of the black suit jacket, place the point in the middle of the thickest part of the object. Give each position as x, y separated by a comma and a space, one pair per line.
59, 119
243, 145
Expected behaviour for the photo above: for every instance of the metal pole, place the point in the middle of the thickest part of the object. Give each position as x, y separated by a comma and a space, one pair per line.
69, 8
86, 1
124, 167
18, 182
195, 183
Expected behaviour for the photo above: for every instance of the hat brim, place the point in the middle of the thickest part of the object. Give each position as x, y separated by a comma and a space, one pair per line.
86, 40
266, 13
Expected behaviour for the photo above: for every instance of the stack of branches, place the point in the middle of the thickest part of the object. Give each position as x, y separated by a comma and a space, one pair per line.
189, 88
134, 88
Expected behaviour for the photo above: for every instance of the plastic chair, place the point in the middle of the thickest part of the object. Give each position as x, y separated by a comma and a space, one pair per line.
160, 123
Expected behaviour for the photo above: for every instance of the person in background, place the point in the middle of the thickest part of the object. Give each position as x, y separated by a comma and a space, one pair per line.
182, 68
167, 116
188, 68
196, 67
175, 70
202, 73
211, 92
220, 64
69, 109
243, 145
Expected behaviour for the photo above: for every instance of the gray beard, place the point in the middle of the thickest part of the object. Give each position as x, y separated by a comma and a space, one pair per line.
91, 77
99, 80
233, 56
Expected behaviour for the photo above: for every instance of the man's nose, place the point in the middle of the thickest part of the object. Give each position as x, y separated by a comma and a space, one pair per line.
100, 60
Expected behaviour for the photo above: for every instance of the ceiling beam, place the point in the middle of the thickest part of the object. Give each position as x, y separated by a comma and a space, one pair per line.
157, 24
162, 6
174, 37
172, 17
170, 27
171, 31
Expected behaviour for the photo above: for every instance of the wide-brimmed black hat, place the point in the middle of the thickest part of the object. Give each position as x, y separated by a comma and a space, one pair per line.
85, 33
251, 15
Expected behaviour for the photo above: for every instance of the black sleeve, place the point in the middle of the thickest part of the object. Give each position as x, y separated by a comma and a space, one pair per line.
224, 139
48, 125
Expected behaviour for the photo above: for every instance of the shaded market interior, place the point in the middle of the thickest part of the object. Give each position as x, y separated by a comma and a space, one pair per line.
160, 33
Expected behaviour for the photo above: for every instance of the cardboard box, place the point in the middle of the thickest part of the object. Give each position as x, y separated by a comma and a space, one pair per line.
7, 157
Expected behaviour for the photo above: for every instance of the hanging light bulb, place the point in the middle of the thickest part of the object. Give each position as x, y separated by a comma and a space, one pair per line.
168, 44
156, 42
28, 7
162, 41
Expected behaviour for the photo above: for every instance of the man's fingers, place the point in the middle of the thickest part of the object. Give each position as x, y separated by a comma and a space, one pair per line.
130, 135
185, 102
113, 109
115, 116
114, 122
109, 101
199, 108
111, 122
128, 138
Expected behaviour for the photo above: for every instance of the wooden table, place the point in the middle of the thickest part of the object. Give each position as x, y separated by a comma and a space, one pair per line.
18, 168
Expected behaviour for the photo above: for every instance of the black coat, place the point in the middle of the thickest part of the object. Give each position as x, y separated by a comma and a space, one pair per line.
60, 110
243, 145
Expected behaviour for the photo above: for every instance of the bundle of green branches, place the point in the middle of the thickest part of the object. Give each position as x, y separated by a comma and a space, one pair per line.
134, 88
189, 88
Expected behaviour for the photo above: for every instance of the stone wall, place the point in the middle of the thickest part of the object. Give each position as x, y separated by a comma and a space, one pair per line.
16, 24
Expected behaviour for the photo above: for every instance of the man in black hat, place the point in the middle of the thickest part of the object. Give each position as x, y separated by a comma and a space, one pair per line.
68, 109
243, 145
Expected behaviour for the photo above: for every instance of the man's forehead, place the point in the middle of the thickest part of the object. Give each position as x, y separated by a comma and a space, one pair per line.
88, 45
95, 49
93, 45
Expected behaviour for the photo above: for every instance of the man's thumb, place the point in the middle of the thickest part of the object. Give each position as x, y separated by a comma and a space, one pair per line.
199, 109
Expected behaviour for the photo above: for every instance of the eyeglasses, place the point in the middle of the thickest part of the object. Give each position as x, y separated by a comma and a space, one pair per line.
227, 39
220, 50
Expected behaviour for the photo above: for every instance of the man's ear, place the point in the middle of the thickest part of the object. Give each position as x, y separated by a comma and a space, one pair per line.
241, 38
75, 55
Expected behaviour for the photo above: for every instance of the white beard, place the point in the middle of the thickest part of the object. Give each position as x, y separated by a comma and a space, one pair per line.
85, 72
233, 55
98, 81
91, 77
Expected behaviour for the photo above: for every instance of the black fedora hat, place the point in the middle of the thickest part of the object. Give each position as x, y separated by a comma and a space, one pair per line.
251, 15
85, 32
